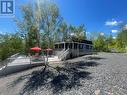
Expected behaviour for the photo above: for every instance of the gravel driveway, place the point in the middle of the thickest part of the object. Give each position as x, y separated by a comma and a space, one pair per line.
102, 74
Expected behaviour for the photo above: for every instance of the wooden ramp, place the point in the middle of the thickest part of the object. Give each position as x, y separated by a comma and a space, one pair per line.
19, 64
22, 63
53, 59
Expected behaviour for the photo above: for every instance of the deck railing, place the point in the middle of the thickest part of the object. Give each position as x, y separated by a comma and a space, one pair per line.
8, 60
64, 54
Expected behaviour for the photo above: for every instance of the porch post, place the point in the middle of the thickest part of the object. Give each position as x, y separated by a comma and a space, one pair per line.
58, 46
78, 48
72, 45
64, 45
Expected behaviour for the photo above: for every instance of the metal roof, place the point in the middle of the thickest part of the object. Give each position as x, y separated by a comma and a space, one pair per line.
83, 41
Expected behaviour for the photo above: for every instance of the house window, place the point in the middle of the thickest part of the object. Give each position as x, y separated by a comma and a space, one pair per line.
80, 46
87, 46
66, 45
91, 47
56, 46
70, 45
75, 45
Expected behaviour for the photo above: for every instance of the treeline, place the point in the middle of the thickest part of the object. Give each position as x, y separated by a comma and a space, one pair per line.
110, 44
10, 44
42, 25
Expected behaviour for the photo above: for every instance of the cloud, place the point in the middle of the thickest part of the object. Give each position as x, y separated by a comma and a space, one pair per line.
72, 34
102, 34
114, 37
114, 31
88, 33
1, 32
125, 27
112, 23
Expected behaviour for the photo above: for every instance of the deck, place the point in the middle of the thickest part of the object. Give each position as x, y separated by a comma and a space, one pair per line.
22, 63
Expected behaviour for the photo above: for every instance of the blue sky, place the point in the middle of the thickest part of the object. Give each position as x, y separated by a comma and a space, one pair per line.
96, 15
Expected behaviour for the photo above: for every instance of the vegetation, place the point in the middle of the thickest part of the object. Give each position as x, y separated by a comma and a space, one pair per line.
121, 41
100, 43
119, 44
10, 44
42, 25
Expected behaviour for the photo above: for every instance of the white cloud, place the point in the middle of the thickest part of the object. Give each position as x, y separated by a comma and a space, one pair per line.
1, 32
114, 31
125, 27
72, 34
112, 23
114, 37
87, 32
102, 34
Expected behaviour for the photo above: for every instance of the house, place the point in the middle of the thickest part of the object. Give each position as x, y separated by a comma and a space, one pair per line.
65, 50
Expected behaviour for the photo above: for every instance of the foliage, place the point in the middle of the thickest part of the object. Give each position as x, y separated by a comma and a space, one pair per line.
100, 44
121, 43
27, 27
42, 25
62, 32
77, 33
10, 44
36, 21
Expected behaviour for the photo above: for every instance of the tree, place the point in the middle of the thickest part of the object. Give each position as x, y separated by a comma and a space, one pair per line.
10, 44
41, 16
110, 42
121, 41
27, 27
64, 31
100, 43
92, 36
77, 33
81, 33
48, 18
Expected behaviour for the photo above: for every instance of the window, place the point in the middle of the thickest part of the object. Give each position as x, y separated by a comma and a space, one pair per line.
91, 47
87, 46
66, 45
80, 46
75, 45
70, 45
56, 46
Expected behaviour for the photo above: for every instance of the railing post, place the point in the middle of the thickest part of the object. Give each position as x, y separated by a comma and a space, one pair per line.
64, 45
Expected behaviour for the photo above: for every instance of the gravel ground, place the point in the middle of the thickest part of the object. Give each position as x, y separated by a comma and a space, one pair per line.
102, 74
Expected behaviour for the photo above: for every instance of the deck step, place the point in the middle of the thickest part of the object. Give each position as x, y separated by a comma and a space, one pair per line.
53, 59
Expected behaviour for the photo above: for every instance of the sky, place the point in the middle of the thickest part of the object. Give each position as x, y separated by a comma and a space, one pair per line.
97, 15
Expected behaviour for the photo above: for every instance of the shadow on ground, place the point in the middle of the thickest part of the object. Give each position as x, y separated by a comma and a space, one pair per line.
94, 58
58, 79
